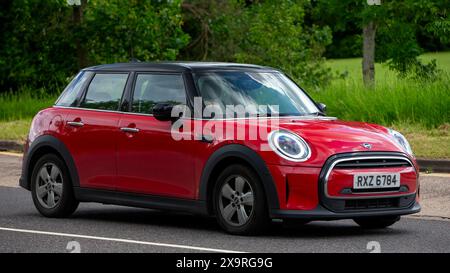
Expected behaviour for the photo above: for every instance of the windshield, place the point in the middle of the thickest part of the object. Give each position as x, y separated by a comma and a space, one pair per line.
268, 93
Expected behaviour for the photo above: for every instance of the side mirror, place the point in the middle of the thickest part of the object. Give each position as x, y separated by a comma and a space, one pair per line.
322, 107
163, 111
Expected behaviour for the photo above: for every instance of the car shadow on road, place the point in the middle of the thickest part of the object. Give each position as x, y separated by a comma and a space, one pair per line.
150, 217
341, 228
168, 219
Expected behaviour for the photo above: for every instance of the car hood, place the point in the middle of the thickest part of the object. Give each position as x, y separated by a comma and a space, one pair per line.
328, 136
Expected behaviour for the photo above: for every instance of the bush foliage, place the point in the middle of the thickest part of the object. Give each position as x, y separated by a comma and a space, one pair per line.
40, 38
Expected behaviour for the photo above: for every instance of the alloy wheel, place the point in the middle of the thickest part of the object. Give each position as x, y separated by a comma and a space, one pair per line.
49, 185
236, 201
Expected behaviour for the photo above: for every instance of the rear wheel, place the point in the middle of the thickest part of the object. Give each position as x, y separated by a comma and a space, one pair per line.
377, 222
240, 202
51, 188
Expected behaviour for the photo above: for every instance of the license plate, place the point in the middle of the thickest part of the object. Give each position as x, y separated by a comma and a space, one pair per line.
376, 181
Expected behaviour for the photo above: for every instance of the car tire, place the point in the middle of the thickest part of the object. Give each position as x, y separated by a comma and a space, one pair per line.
51, 188
238, 192
377, 222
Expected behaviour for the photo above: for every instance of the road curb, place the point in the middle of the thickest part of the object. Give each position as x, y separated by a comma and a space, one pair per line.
426, 165
434, 165
6, 146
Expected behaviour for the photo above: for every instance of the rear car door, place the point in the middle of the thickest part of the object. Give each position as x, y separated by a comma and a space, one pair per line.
91, 130
149, 160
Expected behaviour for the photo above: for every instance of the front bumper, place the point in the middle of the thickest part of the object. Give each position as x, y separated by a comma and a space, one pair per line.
326, 193
321, 213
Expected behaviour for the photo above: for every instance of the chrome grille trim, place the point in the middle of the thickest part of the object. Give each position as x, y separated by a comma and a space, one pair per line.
372, 163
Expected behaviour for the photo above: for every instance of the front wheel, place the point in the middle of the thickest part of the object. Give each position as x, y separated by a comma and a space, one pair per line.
377, 222
51, 188
240, 202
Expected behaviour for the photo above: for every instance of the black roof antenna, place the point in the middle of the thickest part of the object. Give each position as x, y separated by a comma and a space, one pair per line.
134, 60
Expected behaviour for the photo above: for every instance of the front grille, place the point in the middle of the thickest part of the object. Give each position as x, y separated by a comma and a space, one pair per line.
364, 204
365, 160
372, 163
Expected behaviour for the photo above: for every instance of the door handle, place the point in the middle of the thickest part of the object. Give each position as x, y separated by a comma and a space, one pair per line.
129, 130
75, 123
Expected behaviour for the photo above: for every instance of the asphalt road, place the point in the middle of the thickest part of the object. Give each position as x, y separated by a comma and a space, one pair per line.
104, 228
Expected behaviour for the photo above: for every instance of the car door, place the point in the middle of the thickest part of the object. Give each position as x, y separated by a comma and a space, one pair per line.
91, 130
149, 160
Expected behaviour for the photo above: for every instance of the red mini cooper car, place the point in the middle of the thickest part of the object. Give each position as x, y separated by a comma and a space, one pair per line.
162, 135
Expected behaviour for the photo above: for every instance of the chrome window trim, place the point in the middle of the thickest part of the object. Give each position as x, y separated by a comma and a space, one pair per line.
330, 169
193, 118
100, 110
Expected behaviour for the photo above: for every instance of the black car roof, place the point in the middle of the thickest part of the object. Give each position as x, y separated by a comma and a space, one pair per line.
179, 66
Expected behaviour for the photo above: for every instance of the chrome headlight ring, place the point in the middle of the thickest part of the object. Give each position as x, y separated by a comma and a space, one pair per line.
289, 145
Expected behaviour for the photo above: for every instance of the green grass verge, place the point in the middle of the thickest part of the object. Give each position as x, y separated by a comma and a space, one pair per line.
16, 130
426, 104
24, 104
418, 109
393, 99
425, 142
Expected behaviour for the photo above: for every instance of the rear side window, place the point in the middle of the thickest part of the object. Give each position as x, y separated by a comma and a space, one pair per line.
70, 94
151, 89
105, 91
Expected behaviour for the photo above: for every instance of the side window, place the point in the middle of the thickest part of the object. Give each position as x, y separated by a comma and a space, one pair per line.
105, 91
70, 94
151, 89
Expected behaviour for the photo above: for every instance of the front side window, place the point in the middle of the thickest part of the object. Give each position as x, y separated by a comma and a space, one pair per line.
105, 91
255, 89
151, 89
70, 94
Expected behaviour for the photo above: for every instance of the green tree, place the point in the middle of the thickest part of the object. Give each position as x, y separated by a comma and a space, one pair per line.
400, 27
36, 49
270, 32
277, 36
400, 22
42, 40
117, 31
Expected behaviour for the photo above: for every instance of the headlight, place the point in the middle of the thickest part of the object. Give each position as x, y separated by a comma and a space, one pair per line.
289, 145
400, 139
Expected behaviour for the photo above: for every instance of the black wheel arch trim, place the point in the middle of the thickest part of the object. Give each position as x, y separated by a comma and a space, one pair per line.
252, 159
47, 141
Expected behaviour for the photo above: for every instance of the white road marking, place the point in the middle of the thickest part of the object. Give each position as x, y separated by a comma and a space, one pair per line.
119, 240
